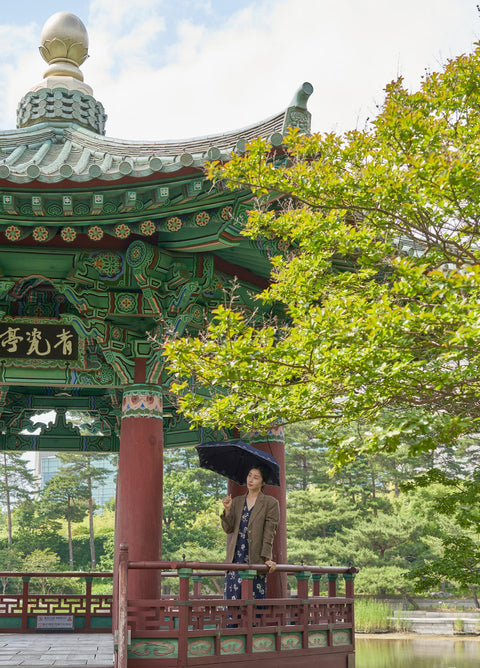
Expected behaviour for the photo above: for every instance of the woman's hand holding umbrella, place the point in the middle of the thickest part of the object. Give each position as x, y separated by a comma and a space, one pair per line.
227, 503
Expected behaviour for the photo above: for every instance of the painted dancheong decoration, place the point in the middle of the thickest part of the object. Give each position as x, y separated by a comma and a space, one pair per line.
107, 248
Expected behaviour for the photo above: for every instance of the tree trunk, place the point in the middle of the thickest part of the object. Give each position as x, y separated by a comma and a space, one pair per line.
90, 518
407, 596
475, 597
395, 479
374, 490
304, 472
70, 544
7, 501
354, 501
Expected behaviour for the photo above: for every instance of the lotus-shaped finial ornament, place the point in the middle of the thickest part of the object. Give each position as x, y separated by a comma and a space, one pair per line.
64, 45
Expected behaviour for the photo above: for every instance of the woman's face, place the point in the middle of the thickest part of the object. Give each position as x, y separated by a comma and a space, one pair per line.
254, 480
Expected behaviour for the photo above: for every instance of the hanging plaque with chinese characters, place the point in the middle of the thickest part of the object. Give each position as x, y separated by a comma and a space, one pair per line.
37, 341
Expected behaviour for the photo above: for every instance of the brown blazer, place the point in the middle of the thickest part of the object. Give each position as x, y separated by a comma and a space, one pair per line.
262, 526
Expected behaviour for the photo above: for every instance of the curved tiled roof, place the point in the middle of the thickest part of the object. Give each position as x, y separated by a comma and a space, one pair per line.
60, 131
50, 152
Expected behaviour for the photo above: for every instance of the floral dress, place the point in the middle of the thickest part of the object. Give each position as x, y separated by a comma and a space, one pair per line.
233, 581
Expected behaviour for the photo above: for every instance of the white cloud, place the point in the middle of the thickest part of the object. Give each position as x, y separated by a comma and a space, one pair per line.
20, 60
160, 77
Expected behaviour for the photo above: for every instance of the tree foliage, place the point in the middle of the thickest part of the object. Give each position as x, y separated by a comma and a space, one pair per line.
380, 289
184, 499
89, 468
16, 482
457, 503
67, 497
36, 528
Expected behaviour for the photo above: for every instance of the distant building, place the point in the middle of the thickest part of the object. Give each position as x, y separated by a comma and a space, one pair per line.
47, 464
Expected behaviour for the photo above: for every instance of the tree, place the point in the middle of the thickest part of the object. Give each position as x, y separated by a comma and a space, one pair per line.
380, 288
186, 459
379, 534
318, 512
183, 500
36, 529
66, 497
47, 561
86, 466
16, 482
457, 502
458, 563
306, 457
10, 560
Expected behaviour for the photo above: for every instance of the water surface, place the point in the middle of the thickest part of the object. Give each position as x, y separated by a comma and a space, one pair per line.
421, 652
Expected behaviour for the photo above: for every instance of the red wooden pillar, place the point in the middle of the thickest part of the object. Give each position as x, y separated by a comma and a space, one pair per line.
274, 444
138, 517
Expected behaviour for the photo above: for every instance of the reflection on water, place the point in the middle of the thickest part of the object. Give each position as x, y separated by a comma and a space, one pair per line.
428, 652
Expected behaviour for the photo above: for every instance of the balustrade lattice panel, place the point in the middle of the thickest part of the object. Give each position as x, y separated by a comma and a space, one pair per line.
10, 605
340, 613
101, 605
46, 604
162, 615
57, 605
208, 616
319, 613
154, 615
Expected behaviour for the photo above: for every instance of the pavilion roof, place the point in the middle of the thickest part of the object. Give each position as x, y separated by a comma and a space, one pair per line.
51, 152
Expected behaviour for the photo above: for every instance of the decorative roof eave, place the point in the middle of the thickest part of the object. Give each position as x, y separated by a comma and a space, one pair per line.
60, 151
52, 154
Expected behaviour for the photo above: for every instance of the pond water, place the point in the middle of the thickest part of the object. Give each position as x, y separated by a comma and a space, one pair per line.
420, 652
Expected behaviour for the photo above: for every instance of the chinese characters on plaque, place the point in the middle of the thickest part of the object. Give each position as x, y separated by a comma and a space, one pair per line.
36, 341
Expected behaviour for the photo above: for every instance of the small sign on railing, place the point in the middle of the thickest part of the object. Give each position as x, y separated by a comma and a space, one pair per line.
55, 623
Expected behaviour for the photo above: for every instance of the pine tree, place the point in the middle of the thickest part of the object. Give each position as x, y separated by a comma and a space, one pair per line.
16, 483
89, 468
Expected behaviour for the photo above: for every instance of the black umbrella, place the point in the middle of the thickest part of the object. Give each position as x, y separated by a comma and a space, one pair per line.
234, 459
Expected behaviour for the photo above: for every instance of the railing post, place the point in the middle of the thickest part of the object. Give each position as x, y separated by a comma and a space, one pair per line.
88, 602
349, 594
197, 586
26, 580
349, 579
302, 579
247, 596
247, 578
332, 592
122, 646
316, 578
184, 575
302, 594
332, 584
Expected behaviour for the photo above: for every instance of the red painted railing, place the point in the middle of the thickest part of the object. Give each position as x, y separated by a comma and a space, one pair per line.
190, 621
26, 607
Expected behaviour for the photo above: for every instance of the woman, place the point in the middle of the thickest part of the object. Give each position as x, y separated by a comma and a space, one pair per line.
253, 520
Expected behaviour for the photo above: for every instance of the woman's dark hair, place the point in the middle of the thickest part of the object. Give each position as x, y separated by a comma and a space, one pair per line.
265, 473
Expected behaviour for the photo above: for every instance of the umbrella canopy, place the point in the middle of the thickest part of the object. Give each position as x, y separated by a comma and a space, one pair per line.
234, 459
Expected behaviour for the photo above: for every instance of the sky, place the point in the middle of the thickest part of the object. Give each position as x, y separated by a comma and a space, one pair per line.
172, 70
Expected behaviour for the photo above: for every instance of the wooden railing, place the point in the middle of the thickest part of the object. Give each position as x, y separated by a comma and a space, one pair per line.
194, 625
19, 611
